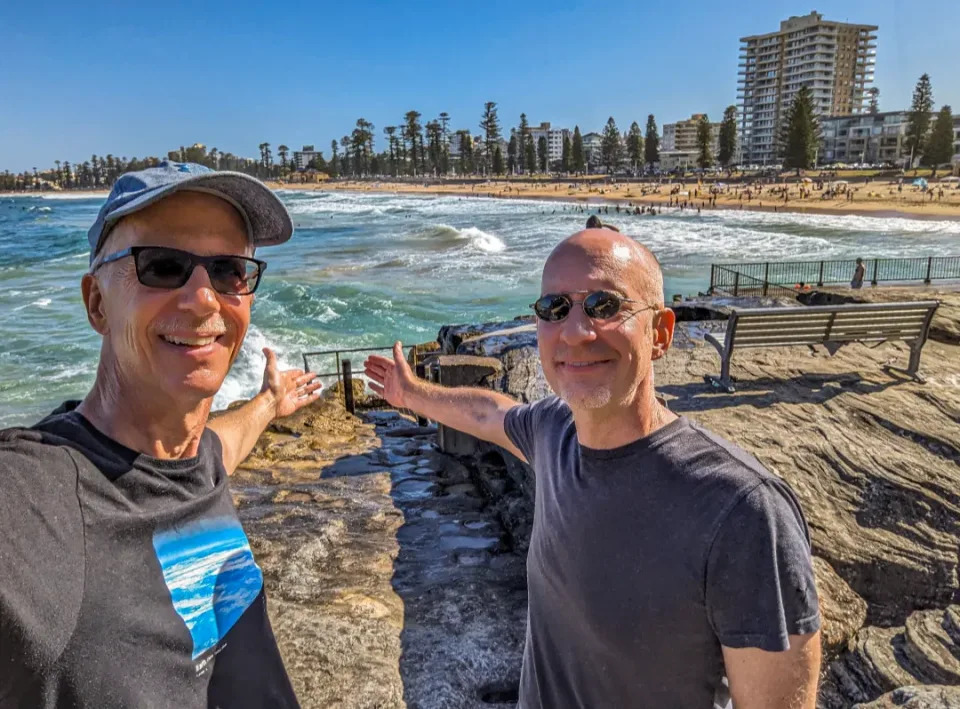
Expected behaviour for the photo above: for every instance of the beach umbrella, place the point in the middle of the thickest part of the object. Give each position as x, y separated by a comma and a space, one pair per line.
920, 182
806, 179
950, 179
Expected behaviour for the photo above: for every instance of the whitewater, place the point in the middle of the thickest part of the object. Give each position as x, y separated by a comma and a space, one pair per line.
364, 269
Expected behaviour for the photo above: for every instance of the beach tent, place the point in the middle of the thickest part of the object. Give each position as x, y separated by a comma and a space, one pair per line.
920, 182
806, 179
950, 179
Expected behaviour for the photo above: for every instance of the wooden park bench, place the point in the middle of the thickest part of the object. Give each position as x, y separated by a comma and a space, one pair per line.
821, 325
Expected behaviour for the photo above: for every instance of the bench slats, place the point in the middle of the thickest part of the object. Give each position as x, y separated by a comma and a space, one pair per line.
804, 338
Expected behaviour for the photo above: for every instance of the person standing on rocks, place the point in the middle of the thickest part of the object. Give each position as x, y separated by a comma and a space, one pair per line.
126, 579
667, 567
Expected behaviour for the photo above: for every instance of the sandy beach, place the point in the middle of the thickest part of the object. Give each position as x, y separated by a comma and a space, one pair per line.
879, 198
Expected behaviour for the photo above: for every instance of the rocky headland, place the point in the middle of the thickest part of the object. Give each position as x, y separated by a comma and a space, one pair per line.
395, 570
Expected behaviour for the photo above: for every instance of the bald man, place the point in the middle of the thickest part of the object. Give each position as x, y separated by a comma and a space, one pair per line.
667, 567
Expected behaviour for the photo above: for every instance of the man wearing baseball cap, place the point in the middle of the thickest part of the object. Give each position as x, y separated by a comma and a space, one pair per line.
126, 579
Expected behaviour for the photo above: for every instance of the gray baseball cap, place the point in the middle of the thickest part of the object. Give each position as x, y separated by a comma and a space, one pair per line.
267, 220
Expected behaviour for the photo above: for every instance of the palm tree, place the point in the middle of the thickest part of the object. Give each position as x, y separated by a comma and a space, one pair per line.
282, 151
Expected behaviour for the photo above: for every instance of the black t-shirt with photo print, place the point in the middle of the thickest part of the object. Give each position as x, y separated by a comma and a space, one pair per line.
126, 580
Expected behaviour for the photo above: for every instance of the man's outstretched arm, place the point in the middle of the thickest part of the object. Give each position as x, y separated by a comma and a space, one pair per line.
283, 393
478, 412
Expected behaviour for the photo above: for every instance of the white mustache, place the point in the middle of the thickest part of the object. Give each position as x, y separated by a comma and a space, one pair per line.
212, 326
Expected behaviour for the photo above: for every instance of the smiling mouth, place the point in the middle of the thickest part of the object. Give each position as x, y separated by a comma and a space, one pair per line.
190, 341
583, 365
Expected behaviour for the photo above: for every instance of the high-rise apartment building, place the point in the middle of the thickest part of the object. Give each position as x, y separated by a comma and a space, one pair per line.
834, 59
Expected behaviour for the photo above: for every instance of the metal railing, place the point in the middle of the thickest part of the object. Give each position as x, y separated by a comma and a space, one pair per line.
738, 284
344, 367
902, 270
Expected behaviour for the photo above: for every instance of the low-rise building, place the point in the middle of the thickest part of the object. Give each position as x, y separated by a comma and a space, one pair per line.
864, 138
592, 144
682, 135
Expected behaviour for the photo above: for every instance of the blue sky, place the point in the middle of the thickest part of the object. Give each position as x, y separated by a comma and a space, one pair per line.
138, 79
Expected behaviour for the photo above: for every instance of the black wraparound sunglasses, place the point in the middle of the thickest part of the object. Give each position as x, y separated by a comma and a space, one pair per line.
164, 267
598, 305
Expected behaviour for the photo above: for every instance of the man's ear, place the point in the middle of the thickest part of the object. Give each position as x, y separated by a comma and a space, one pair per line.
664, 322
93, 302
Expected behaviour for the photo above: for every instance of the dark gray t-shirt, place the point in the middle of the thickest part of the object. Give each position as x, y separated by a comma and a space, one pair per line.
645, 559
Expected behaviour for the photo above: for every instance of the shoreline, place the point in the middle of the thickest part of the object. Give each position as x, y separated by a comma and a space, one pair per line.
596, 197
881, 209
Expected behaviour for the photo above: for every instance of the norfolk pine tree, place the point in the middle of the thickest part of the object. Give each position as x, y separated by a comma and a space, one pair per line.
704, 158
800, 133
611, 149
727, 140
579, 159
651, 143
635, 146
918, 122
940, 144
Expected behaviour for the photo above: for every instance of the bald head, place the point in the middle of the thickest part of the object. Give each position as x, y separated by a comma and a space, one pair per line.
611, 255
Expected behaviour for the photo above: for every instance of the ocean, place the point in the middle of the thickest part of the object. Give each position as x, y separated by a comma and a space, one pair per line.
365, 269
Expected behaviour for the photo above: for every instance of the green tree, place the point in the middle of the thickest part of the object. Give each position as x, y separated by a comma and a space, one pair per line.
490, 125
333, 167
635, 146
874, 100
800, 133
512, 153
565, 162
528, 155
579, 158
611, 148
651, 143
918, 122
704, 156
940, 144
445, 143
497, 160
434, 147
466, 152
414, 133
283, 151
390, 132
542, 153
727, 141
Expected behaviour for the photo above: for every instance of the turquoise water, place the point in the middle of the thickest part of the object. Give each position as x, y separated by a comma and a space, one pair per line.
364, 269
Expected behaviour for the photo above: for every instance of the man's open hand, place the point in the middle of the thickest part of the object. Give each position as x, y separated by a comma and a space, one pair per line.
291, 389
391, 378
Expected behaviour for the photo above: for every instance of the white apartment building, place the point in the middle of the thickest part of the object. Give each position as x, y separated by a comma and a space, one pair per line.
302, 158
834, 59
554, 138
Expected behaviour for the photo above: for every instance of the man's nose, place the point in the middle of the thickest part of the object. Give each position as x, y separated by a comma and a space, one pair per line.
198, 295
577, 328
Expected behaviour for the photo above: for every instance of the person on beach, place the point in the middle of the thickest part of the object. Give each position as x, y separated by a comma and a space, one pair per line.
858, 273
126, 579
666, 567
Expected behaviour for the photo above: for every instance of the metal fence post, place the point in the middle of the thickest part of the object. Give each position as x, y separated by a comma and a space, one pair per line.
820, 278
736, 283
876, 267
929, 268
766, 275
421, 370
348, 387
